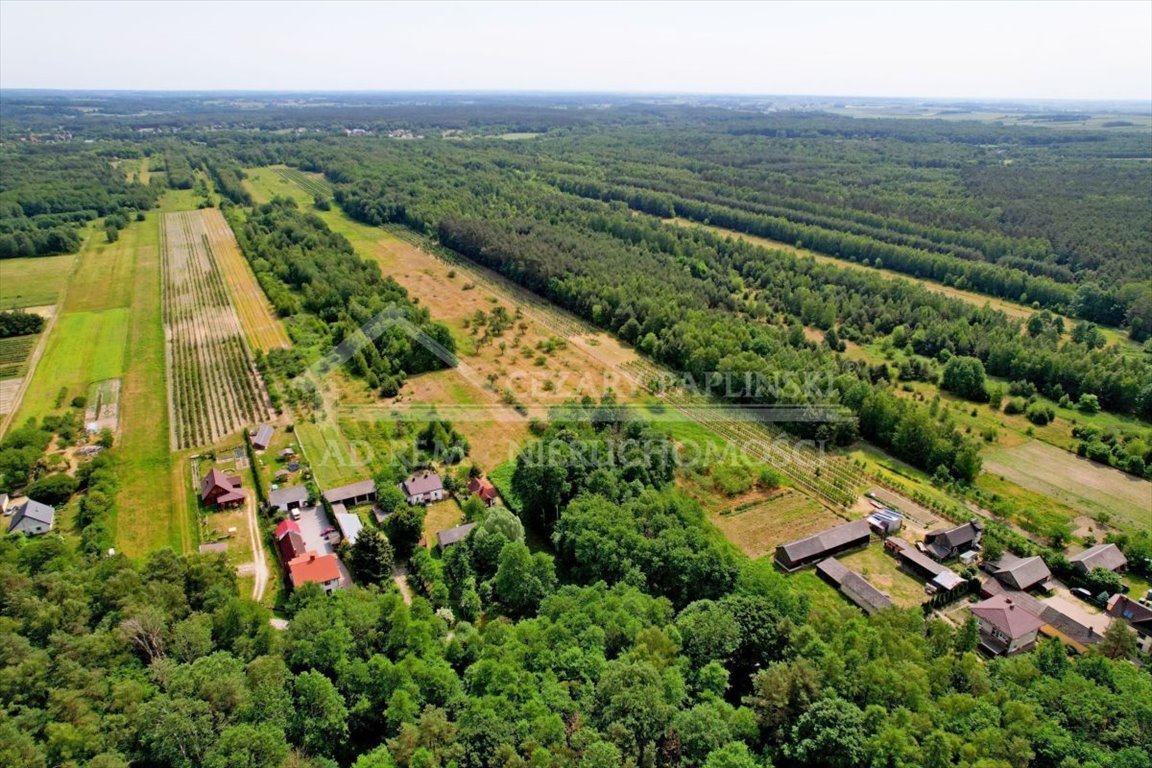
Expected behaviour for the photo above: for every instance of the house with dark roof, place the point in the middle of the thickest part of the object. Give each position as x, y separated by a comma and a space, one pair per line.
482, 487
948, 543
313, 568
220, 490
853, 586
1022, 573
423, 487
288, 499
1067, 628
263, 437
812, 549
1005, 627
289, 541
353, 494
1106, 556
450, 536
1138, 616
32, 518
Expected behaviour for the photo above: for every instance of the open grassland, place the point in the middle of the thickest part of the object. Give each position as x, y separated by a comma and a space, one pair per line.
213, 385
103, 277
263, 329
1083, 485
333, 459
35, 281
786, 515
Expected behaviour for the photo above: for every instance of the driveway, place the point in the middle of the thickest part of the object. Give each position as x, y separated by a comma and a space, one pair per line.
312, 521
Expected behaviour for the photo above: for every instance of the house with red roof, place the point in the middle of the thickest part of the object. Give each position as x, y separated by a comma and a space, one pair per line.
289, 541
220, 490
311, 568
482, 487
1005, 627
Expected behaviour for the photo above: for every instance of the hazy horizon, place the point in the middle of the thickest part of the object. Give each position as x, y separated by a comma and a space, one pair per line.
1061, 51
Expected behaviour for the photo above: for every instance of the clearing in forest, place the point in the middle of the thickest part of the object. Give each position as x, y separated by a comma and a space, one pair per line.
1082, 484
263, 328
214, 389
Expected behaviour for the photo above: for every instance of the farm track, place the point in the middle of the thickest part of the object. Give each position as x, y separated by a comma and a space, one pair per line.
214, 389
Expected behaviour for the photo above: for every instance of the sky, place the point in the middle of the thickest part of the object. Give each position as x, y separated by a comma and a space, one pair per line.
1043, 50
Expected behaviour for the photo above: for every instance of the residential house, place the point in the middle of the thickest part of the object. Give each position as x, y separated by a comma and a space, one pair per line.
450, 536
812, 549
1022, 573
362, 492
1005, 627
423, 487
312, 568
853, 586
482, 487
1106, 556
1065, 627
32, 518
1138, 616
946, 544
939, 577
220, 490
289, 541
288, 499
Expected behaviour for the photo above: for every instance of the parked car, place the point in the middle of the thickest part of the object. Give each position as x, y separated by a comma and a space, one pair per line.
1083, 594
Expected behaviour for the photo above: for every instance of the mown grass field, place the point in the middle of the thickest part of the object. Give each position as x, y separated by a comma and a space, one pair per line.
1077, 482
786, 515
33, 282
883, 572
152, 501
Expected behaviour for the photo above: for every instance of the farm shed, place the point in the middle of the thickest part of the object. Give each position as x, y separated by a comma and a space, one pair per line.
450, 536
797, 554
423, 488
362, 492
940, 576
263, 437
853, 586
482, 487
1106, 556
32, 518
349, 525
885, 522
220, 490
288, 499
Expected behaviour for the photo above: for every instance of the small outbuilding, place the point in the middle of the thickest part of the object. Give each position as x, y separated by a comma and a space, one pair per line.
482, 487
288, 499
450, 536
353, 494
1022, 573
1106, 556
263, 437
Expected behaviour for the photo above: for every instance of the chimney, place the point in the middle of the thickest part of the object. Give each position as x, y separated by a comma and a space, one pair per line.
312, 557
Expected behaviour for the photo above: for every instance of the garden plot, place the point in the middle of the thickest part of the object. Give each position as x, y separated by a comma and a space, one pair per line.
214, 389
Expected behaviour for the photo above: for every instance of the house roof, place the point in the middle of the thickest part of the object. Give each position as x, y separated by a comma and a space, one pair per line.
482, 488
311, 567
349, 524
954, 538
1021, 572
213, 480
421, 483
282, 497
1067, 627
1003, 613
825, 541
452, 535
350, 491
32, 513
1139, 616
854, 586
1106, 556
285, 526
291, 545
229, 497
263, 436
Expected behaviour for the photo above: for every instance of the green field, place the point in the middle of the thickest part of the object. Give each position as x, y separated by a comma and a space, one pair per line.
85, 347
33, 282
150, 511
14, 354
